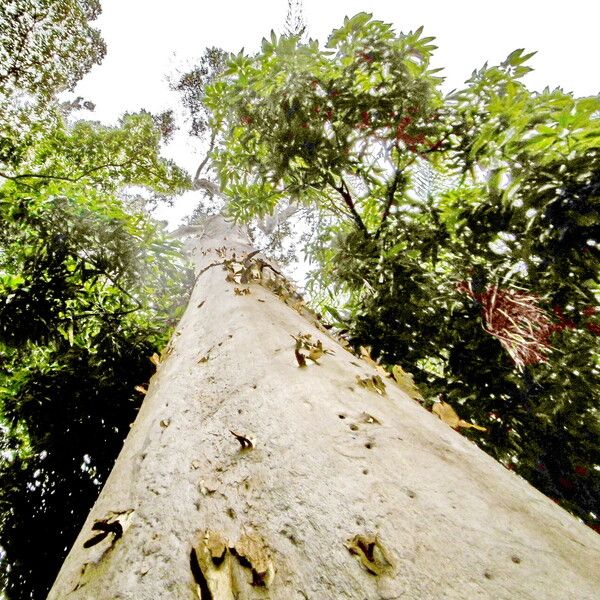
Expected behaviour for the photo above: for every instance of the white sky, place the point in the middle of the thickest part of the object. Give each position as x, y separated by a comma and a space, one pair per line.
148, 39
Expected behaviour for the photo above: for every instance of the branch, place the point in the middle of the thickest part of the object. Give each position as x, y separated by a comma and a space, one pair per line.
390, 200
268, 223
203, 163
64, 177
208, 186
345, 193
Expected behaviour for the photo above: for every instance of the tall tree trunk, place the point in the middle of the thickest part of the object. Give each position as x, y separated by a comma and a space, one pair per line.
326, 489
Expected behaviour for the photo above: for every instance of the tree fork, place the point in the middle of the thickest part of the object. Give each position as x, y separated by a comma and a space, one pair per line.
246, 475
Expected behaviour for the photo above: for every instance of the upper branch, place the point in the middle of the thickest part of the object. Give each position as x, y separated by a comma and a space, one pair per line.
65, 177
392, 188
203, 163
345, 193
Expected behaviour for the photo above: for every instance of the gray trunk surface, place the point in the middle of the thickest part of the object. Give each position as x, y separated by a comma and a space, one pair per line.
344, 492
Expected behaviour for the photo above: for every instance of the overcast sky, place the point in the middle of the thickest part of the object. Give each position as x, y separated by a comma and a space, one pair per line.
147, 40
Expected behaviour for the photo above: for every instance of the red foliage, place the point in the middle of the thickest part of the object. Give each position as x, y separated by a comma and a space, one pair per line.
402, 125
583, 471
411, 141
515, 319
565, 483
593, 328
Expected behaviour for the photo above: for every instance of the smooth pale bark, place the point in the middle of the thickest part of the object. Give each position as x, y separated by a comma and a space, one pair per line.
211, 520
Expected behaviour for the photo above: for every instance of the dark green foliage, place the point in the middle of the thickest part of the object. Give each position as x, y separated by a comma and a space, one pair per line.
75, 416
88, 292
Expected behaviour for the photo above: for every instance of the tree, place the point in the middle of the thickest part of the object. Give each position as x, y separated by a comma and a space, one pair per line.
45, 48
88, 289
267, 460
32, 31
263, 466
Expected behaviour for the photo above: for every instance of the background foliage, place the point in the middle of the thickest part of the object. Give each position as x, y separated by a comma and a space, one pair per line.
89, 285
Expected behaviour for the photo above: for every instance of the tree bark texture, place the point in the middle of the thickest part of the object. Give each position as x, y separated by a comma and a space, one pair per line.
248, 476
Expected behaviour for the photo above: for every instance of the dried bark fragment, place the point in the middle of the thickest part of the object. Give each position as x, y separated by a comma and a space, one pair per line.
253, 553
245, 442
220, 569
447, 414
373, 383
369, 419
314, 349
216, 546
115, 524
405, 382
300, 358
370, 553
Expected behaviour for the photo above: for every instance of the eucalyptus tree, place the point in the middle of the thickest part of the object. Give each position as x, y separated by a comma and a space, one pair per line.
267, 460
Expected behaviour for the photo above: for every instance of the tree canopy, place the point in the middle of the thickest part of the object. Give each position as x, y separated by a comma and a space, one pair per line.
457, 233
47, 46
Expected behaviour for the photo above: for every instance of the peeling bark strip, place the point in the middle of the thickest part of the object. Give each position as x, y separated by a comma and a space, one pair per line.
223, 571
370, 552
354, 491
